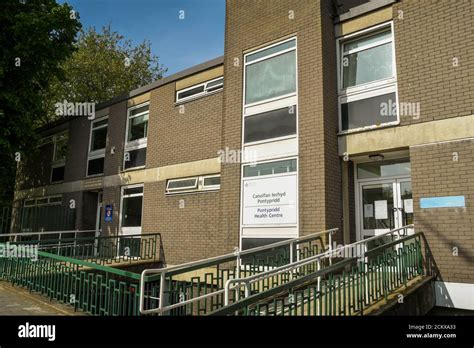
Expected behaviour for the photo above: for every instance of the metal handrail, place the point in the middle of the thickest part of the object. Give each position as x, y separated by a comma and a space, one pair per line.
189, 266
292, 266
39, 234
233, 307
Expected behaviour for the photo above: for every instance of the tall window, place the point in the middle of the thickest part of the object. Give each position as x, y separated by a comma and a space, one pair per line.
270, 92
97, 143
59, 157
132, 202
367, 79
136, 138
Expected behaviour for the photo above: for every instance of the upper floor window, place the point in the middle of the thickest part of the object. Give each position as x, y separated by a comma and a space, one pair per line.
270, 100
270, 72
136, 138
200, 89
60, 142
97, 143
367, 79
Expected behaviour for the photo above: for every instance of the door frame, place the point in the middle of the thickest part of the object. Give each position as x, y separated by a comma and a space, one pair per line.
395, 180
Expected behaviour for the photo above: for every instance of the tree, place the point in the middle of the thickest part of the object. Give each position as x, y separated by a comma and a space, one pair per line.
105, 65
36, 36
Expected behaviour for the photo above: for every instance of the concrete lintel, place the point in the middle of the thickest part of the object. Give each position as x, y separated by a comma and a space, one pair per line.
388, 139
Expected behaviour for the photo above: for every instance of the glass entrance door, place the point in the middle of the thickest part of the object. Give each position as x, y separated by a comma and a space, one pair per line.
384, 205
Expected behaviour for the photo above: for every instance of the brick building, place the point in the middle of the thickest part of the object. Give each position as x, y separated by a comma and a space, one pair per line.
351, 114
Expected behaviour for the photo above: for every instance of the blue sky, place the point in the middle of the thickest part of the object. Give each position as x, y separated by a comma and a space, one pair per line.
179, 44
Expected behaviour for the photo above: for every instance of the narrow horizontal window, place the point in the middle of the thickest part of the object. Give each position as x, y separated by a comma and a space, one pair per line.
369, 112
200, 89
135, 158
270, 168
191, 92
270, 51
212, 181
132, 191
182, 184
139, 110
215, 85
194, 184
95, 166
272, 124
57, 199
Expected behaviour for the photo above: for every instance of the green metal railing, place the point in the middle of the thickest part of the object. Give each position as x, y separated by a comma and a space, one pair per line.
92, 288
76, 271
100, 250
348, 287
197, 288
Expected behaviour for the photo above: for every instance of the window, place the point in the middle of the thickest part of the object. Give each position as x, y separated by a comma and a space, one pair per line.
372, 170
200, 90
59, 157
367, 79
270, 124
270, 100
51, 200
269, 168
98, 141
194, 184
132, 202
271, 72
136, 138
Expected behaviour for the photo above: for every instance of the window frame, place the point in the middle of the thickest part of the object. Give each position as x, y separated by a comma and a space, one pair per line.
36, 204
369, 89
200, 94
273, 99
133, 230
61, 162
274, 103
197, 188
138, 143
100, 153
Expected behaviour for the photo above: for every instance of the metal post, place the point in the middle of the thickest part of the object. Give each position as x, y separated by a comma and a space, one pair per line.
162, 293
330, 248
237, 270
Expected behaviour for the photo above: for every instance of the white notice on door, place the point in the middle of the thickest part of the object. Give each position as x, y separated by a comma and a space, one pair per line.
368, 210
381, 212
408, 205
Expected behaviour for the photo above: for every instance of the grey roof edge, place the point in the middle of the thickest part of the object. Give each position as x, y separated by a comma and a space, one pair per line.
155, 84
140, 90
363, 9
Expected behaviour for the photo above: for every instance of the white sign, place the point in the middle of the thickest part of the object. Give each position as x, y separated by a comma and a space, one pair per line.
269, 201
368, 210
408, 204
381, 212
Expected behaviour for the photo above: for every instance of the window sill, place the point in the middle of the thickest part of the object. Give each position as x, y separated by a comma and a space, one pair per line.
132, 169
190, 192
369, 128
93, 176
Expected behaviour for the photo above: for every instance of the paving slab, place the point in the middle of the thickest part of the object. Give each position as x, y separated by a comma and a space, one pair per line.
18, 301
